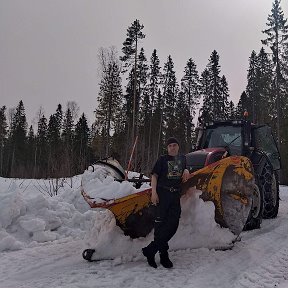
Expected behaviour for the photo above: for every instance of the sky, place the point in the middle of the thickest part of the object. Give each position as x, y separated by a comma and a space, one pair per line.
49, 49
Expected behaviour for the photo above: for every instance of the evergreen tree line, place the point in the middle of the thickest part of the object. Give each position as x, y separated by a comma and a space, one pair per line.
153, 105
142, 99
58, 148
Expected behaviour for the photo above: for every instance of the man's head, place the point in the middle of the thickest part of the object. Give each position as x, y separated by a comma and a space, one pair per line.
172, 146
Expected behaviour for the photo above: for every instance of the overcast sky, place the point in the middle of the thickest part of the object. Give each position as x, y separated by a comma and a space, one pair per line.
48, 49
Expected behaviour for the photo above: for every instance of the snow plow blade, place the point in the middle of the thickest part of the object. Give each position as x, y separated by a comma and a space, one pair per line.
228, 183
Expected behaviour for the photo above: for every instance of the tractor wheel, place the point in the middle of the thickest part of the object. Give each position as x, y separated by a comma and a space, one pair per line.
255, 216
270, 186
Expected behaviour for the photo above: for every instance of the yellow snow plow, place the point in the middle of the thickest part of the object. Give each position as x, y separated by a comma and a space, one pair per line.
228, 183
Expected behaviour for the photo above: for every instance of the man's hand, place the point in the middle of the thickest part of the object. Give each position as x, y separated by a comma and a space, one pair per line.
154, 198
185, 175
154, 195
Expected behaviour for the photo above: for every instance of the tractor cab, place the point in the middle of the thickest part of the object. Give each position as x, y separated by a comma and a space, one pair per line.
237, 138
219, 139
227, 135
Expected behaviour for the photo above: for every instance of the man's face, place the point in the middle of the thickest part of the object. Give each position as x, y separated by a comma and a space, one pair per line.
173, 149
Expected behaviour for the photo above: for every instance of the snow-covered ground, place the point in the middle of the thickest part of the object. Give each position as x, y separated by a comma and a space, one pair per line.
42, 239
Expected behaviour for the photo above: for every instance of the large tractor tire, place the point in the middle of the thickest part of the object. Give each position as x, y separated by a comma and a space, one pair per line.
268, 182
256, 213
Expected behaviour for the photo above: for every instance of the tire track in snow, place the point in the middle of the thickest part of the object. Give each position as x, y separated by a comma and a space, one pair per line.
269, 274
256, 255
274, 268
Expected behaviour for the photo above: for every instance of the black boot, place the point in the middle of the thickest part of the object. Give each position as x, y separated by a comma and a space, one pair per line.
150, 256
164, 260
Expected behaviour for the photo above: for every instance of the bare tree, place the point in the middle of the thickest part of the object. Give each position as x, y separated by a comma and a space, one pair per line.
40, 112
74, 109
11, 112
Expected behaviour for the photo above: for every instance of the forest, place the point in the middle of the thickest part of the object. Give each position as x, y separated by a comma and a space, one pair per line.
140, 98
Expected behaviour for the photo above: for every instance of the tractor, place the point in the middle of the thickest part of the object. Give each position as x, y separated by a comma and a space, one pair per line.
234, 164
219, 139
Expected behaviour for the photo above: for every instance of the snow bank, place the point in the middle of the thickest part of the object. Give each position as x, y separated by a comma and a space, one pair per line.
197, 229
101, 186
29, 218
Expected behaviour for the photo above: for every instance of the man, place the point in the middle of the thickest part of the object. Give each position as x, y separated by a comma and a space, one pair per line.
167, 176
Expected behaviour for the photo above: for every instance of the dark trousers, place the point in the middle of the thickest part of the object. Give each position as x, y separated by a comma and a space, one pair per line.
168, 212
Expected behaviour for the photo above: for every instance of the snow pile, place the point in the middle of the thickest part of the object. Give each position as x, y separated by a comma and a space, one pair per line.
101, 186
197, 229
197, 225
29, 218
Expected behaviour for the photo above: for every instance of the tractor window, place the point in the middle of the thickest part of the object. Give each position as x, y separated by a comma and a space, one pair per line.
265, 142
224, 136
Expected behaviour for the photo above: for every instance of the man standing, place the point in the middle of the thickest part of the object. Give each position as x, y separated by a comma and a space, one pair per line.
166, 180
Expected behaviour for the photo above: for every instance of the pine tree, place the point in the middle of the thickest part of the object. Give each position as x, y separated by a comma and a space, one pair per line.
31, 154
242, 105
252, 86
259, 88
181, 115
190, 87
59, 117
284, 156
214, 90
54, 145
158, 118
130, 45
266, 98
110, 96
154, 78
231, 113
224, 102
3, 140
128, 105
215, 83
206, 112
67, 140
42, 148
144, 113
130, 57
142, 70
81, 145
67, 133
143, 100
141, 103
119, 138
18, 139
169, 97
277, 36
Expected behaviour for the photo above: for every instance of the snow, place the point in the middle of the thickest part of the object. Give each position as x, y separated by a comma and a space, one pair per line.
42, 239
100, 185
